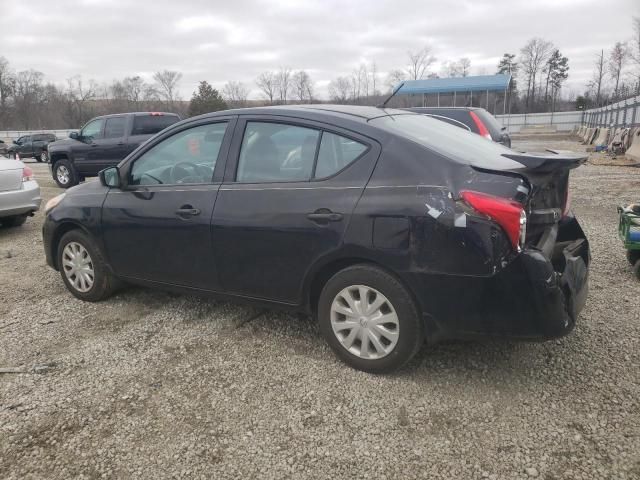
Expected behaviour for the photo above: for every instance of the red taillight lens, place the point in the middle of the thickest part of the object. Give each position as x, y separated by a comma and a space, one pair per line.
509, 214
27, 174
482, 130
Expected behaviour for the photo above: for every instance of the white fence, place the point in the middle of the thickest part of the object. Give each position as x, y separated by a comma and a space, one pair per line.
559, 121
624, 113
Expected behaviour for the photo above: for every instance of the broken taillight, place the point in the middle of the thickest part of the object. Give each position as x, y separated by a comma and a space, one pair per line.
509, 214
482, 130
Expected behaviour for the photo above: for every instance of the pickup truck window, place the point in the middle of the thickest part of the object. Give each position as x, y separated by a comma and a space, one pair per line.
152, 124
114, 127
92, 130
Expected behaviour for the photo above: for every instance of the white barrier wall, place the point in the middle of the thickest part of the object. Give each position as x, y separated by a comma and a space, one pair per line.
15, 134
560, 121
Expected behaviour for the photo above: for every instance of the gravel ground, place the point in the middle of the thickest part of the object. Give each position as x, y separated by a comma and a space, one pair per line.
150, 384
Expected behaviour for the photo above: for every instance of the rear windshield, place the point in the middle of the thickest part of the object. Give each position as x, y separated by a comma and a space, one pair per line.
452, 142
494, 127
152, 124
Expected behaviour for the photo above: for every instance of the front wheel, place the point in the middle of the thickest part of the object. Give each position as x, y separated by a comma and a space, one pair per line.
369, 319
64, 174
83, 269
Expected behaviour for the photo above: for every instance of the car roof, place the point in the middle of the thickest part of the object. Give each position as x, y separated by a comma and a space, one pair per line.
352, 112
463, 109
135, 114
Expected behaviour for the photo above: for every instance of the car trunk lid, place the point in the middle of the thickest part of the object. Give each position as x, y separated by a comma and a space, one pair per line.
10, 175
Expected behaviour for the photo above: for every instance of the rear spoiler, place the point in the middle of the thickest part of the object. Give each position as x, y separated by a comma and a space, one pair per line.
548, 162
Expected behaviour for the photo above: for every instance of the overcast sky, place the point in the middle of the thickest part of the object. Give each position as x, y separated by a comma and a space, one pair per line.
237, 39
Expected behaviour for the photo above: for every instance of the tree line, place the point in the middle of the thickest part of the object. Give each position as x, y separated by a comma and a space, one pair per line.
539, 71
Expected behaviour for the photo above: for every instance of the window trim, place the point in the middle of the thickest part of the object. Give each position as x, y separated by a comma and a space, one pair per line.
295, 122
218, 171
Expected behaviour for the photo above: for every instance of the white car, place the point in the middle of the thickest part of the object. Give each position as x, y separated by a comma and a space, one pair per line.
19, 193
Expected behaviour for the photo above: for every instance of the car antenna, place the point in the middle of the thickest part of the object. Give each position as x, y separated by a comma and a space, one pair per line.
395, 90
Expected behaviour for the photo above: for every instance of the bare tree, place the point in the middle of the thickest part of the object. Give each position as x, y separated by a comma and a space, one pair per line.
533, 57
79, 94
465, 66
133, 88
235, 93
27, 96
451, 69
596, 82
167, 85
374, 79
419, 62
267, 82
7, 86
617, 60
302, 86
339, 89
284, 83
394, 77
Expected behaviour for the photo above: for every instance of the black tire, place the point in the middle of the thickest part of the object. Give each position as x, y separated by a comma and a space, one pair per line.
12, 155
42, 157
59, 174
633, 256
14, 221
410, 325
636, 269
104, 284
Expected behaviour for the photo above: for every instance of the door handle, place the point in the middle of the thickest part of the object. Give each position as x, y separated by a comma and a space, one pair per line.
324, 217
94, 144
187, 211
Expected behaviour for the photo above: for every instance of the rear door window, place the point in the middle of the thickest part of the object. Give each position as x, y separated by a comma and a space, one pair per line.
152, 123
114, 127
277, 152
336, 153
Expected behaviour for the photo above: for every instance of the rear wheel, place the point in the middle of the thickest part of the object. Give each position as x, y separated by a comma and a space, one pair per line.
13, 221
43, 157
369, 319
12, 155
83, 269
64, 174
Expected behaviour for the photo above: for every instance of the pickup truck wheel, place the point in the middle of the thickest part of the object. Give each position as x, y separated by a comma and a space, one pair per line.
83, 269
12, 155
369, 319
13, 221
64, 174
43, 157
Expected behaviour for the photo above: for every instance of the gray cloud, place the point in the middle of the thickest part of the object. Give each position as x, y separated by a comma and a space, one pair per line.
220, 41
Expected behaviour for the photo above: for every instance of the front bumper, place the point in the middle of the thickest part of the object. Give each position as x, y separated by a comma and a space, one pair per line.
539, 295
20, 202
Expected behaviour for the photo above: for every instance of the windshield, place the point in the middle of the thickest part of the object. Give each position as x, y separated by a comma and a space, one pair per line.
452, 142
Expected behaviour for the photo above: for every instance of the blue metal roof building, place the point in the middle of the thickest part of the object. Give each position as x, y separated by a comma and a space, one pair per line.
479, 83
483, 84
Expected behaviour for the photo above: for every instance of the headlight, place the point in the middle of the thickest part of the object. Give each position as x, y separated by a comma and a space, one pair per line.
53, 202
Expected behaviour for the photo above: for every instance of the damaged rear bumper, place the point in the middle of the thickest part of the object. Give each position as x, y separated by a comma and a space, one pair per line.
538, 295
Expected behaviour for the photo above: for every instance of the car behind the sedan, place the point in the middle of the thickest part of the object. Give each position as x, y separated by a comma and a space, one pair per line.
19, 193
387, 226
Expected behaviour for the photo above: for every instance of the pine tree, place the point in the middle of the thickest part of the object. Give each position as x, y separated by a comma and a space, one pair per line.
206, 99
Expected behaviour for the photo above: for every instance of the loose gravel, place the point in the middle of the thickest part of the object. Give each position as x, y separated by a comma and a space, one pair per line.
155, 385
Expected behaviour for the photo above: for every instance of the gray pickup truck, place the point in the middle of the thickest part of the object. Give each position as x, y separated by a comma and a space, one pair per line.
34, 145
102, 143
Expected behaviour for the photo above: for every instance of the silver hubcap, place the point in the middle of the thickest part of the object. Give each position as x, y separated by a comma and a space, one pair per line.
365, 322
78, 267
43, 156
62, 173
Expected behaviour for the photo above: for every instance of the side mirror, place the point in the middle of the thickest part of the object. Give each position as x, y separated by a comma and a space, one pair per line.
15, 142
110, 177
74, 135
